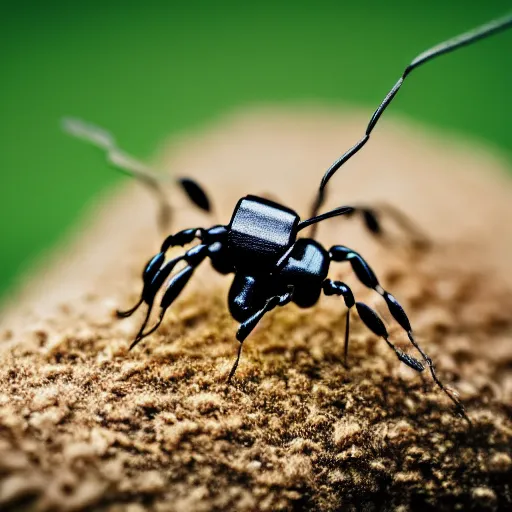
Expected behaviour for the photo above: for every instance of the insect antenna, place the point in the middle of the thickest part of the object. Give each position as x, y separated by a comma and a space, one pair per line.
445, 47
342, 210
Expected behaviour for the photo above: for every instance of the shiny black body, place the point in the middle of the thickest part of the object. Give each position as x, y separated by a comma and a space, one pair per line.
259, 233
267, 258
272, 265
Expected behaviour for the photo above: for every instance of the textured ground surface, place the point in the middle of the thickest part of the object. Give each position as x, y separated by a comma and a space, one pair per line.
86, 425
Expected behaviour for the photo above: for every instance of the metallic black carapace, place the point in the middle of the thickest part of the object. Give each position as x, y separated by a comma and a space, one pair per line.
271, 268
272, 265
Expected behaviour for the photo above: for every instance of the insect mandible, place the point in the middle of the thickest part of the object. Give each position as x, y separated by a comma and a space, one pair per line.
260, 245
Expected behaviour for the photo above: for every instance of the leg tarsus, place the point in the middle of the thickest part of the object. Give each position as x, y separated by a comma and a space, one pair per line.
151, 269
248, 326
235, 365
339, 288
129, 312
347, 331
374, 323
459, 406
141, 335
398, 313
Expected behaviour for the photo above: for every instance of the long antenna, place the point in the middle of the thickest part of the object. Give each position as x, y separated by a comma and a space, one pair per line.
342, 210
447, 46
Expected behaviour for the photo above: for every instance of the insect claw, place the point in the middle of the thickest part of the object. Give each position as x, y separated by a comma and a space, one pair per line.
138, 338
235, 365
134, 342
128, 312
143, 335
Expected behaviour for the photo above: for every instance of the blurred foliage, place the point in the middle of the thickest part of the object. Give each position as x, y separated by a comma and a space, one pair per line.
145, 70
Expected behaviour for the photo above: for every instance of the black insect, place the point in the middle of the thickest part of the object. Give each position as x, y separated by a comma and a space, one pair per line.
272, 266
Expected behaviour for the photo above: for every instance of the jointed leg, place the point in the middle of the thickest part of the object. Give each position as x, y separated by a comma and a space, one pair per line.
206, 236
140, 171
124, 162
157, 272
154, 270
366, 275
331, 287
247, 327
369, 318
193, 258
376, 325
372, 215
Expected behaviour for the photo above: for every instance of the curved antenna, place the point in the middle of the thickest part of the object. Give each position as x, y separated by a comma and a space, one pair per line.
122, 161
342, 210
445, 47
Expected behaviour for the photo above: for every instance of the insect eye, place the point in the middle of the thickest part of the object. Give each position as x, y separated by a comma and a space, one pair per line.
195, 193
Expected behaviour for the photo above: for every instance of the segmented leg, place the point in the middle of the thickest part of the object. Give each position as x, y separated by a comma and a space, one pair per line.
247, 327
154, 266
369, 318
157, 271
371, 217
331, 287
193, 258
366, 275
376, 325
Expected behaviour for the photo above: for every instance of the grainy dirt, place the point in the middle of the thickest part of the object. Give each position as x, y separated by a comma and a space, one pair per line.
85, 425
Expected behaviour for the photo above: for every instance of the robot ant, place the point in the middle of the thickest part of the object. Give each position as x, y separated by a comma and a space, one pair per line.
271, 266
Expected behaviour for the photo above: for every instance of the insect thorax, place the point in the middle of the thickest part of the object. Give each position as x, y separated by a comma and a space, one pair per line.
260, 232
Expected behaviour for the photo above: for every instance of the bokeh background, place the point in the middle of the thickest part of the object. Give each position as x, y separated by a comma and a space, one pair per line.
146, 70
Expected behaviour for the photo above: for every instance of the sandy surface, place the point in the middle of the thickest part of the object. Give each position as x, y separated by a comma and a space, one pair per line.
85, 425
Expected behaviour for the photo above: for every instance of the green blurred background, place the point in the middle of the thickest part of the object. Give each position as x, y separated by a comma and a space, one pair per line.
148, 69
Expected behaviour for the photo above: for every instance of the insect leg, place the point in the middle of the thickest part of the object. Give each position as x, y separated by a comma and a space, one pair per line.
157, 271
151, 286
124, 162
371, 216
331, 287
193, 258
127, 164
366, 275
247, 327
376, 325
211, 236
154, 265
149, 272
